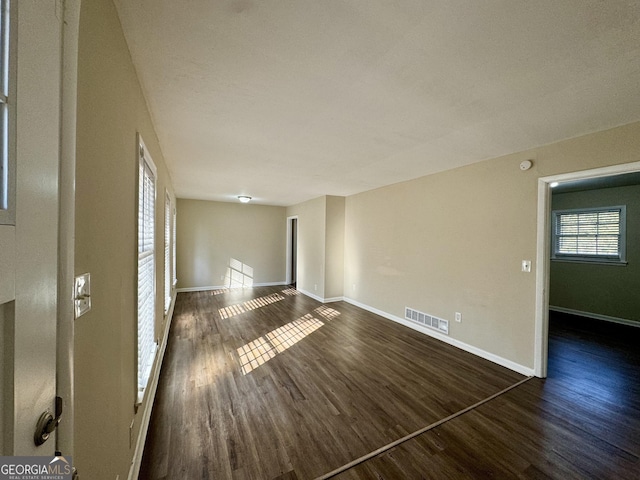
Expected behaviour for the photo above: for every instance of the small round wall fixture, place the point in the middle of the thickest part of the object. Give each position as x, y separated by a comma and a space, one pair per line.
526, 165
244, 198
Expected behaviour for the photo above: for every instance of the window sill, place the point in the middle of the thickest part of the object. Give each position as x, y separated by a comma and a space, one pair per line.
613, 263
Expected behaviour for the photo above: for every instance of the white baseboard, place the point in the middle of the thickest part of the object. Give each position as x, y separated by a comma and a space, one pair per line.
220, 287
516, 367
200, 289
311, 295
333, 299
320, 299
150, 395
595, 316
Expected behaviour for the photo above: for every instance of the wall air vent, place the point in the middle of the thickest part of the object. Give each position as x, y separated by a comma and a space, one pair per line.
427, 320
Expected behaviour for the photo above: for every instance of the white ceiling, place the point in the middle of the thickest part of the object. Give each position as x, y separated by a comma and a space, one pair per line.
289, 100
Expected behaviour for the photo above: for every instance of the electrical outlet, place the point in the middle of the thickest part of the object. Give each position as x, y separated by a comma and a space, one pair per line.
458, 317
315, 287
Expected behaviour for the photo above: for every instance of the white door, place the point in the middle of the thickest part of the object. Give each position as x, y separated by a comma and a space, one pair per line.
29, 247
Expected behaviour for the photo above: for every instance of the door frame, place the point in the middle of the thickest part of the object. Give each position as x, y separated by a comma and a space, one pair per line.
288, 277
543, 253
66, 226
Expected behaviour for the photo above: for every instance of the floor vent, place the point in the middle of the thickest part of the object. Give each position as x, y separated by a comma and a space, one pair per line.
430, 321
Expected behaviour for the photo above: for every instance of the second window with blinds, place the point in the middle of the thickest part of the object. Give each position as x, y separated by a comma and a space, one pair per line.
590, 235
167, 252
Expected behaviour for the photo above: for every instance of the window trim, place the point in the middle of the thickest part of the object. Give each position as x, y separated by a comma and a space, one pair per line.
174, 277
167, 251
145, 162
8, 92
620, 259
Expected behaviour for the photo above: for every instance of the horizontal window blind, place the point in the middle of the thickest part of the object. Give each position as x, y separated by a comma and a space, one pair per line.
146, 271
7, 166
167, 253
173, 242
593, 233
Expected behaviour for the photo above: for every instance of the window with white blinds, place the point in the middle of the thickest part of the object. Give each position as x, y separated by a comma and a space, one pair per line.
146, 268
167, 252
7, 113
590, 235
173, 242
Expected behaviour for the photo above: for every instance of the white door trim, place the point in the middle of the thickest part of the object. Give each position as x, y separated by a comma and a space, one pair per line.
543, 253
66, 225
289, 247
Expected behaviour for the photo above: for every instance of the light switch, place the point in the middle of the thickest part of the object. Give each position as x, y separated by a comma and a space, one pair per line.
82, 294
526, 266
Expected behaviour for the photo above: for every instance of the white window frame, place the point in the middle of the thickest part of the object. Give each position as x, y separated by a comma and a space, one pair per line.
618, 259
146, 274
7, 113
167, 251
174, 277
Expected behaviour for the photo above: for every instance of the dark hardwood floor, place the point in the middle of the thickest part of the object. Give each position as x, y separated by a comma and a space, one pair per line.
582, 422
264, 383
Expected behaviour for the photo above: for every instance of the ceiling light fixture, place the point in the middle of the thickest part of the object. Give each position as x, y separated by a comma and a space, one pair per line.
244, 198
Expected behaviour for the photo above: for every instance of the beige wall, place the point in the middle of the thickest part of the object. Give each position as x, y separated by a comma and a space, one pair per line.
320, 246
211, 234
311, 245
454, 241
111, 110
334, 257
609, 290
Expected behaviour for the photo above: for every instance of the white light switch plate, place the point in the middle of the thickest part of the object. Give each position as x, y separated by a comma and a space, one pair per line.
82, 294
526, 266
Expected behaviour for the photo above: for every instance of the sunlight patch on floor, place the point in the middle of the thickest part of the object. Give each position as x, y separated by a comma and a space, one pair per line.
253, 304
263, 349
327, 312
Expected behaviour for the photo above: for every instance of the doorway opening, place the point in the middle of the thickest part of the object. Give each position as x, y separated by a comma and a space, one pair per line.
292, 251
543, 254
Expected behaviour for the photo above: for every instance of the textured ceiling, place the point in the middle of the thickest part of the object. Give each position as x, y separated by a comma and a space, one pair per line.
289, 100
